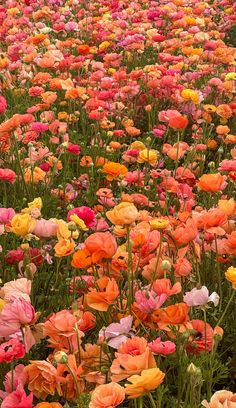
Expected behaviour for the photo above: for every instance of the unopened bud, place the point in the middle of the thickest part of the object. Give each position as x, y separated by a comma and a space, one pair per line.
193, 370
165, 265
61, 357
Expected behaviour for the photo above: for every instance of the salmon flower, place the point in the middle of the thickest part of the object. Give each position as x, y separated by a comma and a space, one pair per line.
107, 396
101, 245
104, 297
148, 381
185, 233
42, 378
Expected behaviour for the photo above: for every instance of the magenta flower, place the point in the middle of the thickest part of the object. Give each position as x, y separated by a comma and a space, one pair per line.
85, 213
117, 333
162, 347
200, 297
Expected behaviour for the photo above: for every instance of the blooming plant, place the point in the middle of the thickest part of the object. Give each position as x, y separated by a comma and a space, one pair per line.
117, 203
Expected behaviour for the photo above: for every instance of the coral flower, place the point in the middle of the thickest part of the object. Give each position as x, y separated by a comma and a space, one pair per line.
11, 350
164, 286
148, 381
212, 183
101, 300
203, 338
114, 170
221, 399
132, 357
18, 399
162, 347
230, 244
185, 233
124, 213
107, 396
101, 245
178, 122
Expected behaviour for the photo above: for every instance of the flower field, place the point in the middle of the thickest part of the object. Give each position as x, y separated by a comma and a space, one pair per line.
117, 204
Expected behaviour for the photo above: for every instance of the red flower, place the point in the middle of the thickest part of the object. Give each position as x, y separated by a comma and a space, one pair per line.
178, 122
11, 350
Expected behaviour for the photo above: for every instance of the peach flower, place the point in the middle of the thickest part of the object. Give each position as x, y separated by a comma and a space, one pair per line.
124, 213
42, 378
107, 396
132, 357
106, 296
221, 399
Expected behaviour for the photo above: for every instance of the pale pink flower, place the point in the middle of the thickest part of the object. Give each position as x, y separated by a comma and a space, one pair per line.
45, 228
200, 297
19, 288
221, 399
117, 333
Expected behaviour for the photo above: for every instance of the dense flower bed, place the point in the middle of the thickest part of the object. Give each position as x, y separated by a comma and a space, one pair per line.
117, 203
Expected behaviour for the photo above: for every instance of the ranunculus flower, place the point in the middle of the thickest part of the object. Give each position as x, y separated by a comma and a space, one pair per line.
148, 381
10, 350
19, 288
221, 399
41, 378
162, 347
85, 213
18, 399
14, 315
148, 301
45, 228
101, 245
6, 214
117, 333
200, 297
7, 175
107, 396
124, 213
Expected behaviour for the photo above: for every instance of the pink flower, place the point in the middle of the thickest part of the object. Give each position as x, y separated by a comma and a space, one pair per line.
73, 148
227, 165
6, 214
117, 333
7, 175
45, 228
162, 347
85, 213
182, 267
10, 350
14, 314
19, 378
148, 301
200, 297
165, 116
18, 399
221, 399
3, 104
19, 288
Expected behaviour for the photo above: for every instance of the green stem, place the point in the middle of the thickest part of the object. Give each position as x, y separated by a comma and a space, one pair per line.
75, 380
153, 404
226, 309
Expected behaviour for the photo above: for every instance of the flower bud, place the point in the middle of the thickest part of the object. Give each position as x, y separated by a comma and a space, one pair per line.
193, 370
60, 357
165, 265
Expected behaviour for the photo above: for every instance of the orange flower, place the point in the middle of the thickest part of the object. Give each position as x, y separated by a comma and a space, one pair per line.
86, 161
101, 245
173, 315
81, 259
42, 378
132, 357
212, 182
34, 177
107, 396
124, 213
224, 111
230, 244
148, 381
106, 296
68, 386
83, 49
64, 247
114, 170
212, 220
178, 122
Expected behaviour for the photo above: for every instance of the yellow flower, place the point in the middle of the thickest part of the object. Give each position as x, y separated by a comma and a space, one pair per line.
190, 95
230, 275
64, 247
2, 304
22, 224
78, 221
148, 381
159, 223
104, 45
36, 203
148, 155
230, 76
